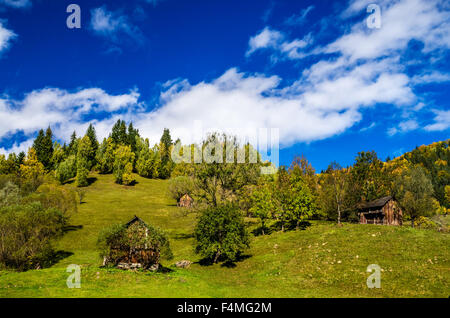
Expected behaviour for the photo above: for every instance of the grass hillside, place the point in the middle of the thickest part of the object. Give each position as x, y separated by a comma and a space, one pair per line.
321, 261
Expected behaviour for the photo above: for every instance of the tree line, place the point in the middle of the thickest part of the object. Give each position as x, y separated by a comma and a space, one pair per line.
226, 191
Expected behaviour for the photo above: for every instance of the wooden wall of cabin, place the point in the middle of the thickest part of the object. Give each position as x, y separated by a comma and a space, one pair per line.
392, 213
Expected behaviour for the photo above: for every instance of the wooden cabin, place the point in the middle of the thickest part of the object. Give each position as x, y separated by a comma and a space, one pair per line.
381, 211
135, 253
185, 201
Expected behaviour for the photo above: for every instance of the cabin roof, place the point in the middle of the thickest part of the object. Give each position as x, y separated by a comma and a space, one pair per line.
378, 203
134, 220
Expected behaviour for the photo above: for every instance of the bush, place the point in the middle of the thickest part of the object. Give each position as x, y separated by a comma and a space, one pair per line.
180, 186
66, 170
9, 194
52, 196
221, 234
26, 232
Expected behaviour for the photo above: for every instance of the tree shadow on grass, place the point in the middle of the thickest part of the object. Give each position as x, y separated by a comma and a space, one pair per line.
225, 263
55, 258
91, 180
183, 236
69, 228
164, 270
232, 264
277, 226
259, 230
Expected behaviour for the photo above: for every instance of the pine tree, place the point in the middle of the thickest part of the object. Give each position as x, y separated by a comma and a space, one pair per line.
73, 145
119, 133
90, 133
43, 145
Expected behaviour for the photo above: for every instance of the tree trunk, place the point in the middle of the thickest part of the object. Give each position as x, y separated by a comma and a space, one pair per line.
412, 222
297, 226
216, 258
339, 208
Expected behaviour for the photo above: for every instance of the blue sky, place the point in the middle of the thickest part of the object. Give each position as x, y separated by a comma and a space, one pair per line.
313, 69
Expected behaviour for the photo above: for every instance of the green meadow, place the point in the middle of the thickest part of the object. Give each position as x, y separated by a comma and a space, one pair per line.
323, 260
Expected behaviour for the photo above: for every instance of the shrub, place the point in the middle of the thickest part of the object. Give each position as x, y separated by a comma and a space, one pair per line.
66, 170
9, 194
221, 233
26, 232
180, 186
53, 196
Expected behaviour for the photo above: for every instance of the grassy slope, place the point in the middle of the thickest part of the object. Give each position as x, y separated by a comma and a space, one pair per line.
321, 261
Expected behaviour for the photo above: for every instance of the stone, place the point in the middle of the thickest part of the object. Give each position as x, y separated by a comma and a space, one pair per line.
183, 264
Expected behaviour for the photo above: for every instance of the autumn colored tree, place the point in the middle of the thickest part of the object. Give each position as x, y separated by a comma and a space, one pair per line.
123, 165
414, 191
32, 170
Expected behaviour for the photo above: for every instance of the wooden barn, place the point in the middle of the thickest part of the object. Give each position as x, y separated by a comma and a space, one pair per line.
136, 252
381, 211
186, 201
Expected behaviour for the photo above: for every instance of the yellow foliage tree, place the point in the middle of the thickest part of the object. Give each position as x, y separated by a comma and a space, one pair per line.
32, 170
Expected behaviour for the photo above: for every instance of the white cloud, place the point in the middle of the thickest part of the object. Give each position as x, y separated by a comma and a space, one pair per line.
114, 26
60, 109
441, 121
401, 21
5, 37
239, 101
276, 41
404, 127
299, 19
16, 3
431, 77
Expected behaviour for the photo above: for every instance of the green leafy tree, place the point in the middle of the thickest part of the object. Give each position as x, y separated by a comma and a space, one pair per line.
300, 203
145, 163
180, 186
123, 165
414, 191
133, 135
105, 156
221, 233
83, 163
263, 204
66, 169
218, 178
333, 191
368, 178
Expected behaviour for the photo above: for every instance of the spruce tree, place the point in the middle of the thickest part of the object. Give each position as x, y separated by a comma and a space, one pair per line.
90, 133
43, 144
